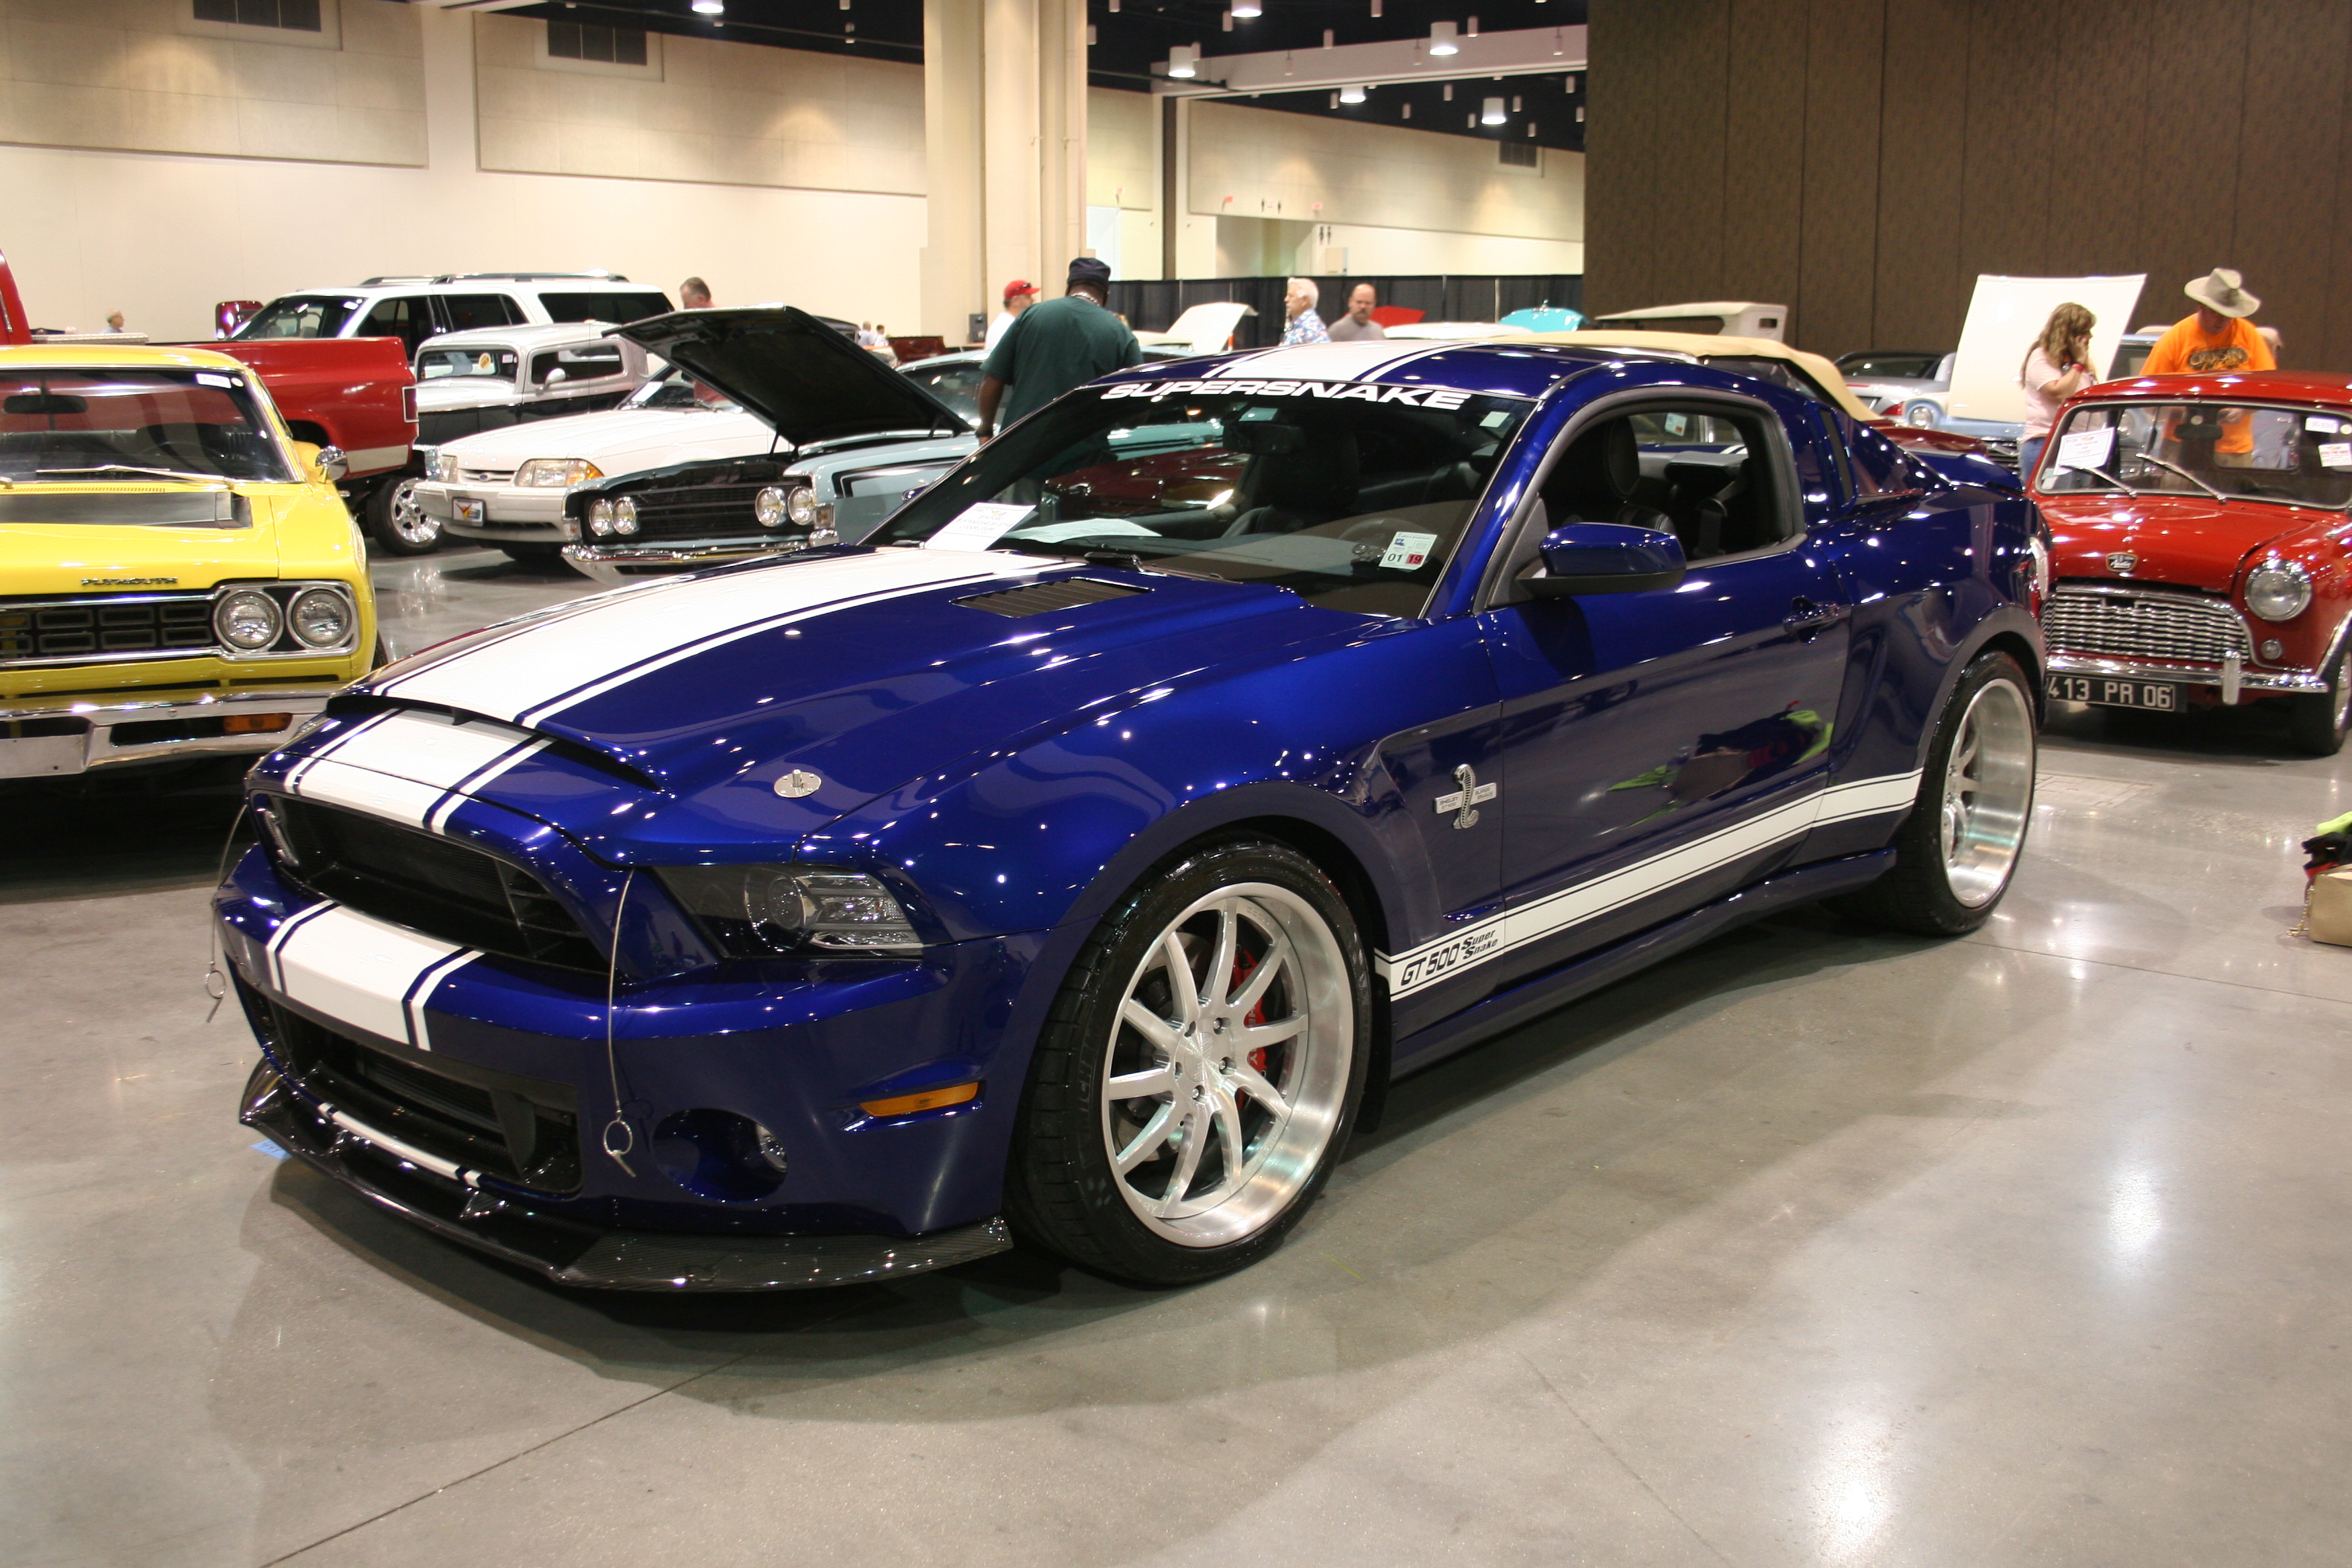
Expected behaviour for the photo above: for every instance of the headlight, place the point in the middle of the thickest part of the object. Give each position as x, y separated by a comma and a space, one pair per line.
554, 473
803, 505
321, 617
625, 515
755, 911
439, 466
768, 506
247, 620
2278, 590
600, 517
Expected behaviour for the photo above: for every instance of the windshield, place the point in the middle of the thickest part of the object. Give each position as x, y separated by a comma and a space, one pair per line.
676, 389
300, 316
74, 425
957, 386
2292, 456
1889, 367
436, 364
1351, 496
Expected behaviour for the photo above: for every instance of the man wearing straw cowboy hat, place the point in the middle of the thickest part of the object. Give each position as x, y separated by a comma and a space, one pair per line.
2218, 338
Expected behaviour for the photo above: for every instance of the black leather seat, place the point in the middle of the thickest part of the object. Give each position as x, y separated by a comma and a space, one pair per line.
1285, 492
1599, 479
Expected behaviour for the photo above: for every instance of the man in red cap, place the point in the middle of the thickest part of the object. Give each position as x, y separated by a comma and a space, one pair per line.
1018, 295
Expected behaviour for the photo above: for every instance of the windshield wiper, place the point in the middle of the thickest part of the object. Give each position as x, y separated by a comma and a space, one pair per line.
2103, 473
183, 477
2184, 473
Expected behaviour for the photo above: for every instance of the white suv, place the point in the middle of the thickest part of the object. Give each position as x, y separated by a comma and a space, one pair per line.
415, 309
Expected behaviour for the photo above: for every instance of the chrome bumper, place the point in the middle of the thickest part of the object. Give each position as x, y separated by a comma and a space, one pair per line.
615, 565
513, 516
2260, 683
77, 738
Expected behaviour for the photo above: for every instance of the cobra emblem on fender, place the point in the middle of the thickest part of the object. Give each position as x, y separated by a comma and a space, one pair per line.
1467, 798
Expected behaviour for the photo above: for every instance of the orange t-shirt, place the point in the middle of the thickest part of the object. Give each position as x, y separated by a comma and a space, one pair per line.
2185, 347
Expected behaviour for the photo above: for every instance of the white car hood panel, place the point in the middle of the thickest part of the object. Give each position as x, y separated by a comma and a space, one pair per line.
620, 440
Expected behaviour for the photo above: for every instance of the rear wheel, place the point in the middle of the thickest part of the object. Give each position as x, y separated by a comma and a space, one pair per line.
1197, 1078
2319, 723
398, 523
1955, 855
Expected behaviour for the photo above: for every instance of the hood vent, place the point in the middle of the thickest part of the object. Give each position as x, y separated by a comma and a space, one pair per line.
1045, 598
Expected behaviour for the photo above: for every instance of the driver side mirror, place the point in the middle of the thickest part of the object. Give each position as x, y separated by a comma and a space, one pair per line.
1605, 558
555, 376
328, 462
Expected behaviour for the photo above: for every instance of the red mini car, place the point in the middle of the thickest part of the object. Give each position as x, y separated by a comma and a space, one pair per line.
2200, 539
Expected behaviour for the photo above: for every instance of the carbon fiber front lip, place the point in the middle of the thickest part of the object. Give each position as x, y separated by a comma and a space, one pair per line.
575, 1255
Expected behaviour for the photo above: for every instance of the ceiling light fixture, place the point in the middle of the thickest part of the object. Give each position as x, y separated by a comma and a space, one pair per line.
1225, 22
1352, 94
709, 8
1472, 30
1440, 40
1376, 7
1246, 9
1183, 60
1493, 114
1327, 37
1408, 111
1449, 92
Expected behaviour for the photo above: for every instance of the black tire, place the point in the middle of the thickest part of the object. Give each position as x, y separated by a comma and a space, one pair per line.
397, 524
2319, 723
1925, 893
533, 554
1063, 1192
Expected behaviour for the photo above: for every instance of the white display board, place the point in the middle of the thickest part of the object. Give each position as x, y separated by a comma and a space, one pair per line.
2004, 314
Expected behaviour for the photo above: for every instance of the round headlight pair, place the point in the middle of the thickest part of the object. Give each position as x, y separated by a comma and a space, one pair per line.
780, 504
2278, 590
606, 518
249, 620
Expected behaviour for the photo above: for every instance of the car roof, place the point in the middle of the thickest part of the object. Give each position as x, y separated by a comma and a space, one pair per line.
1703, 344
2260, 385
479, 283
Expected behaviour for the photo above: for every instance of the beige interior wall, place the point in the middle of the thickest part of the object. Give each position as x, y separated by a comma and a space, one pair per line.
1402, 200
162, 237
1122, 150
704, 110
144, 75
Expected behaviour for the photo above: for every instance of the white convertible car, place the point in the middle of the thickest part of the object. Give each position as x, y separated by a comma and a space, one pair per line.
506, 486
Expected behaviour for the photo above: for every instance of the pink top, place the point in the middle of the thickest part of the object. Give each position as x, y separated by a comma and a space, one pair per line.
2041, 407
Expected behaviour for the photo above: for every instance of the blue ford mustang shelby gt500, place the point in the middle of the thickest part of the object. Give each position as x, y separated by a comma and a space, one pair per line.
1077, 859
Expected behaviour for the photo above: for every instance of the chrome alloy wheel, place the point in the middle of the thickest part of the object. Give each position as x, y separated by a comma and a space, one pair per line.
1988, 793
417, 527
1228, 1065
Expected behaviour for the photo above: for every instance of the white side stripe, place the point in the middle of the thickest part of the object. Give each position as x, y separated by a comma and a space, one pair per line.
1433, 961
363, 972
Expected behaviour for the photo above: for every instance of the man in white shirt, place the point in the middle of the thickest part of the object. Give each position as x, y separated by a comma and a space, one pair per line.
1018, 295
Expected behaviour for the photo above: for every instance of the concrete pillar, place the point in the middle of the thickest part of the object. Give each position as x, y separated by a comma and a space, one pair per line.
1004, 98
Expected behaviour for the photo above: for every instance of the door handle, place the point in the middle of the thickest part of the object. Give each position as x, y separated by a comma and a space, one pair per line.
1807, 619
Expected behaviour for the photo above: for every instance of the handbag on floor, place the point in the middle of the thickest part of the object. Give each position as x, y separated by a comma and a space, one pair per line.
2327, 913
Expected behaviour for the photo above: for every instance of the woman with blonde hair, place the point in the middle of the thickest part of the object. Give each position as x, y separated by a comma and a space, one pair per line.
2056, 367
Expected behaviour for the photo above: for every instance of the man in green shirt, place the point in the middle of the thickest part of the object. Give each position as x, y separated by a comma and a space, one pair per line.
1053, 346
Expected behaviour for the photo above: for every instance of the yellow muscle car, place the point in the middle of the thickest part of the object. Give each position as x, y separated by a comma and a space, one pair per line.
177, 574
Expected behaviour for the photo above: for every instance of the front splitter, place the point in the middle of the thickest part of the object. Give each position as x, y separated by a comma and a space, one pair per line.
572, 1254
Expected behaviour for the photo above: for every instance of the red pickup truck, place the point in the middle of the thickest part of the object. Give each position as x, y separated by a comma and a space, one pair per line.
357, 394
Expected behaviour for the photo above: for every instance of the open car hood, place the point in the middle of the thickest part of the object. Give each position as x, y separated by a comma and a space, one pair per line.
801, 376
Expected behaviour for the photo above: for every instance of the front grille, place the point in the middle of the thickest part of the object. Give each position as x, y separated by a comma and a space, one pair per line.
701, 512
439, 886
485, 476
2165, 626
96, 625
521, 1130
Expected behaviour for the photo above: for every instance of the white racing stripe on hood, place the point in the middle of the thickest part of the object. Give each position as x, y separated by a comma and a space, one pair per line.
544, 668
366, 973
412, 766
1325, 361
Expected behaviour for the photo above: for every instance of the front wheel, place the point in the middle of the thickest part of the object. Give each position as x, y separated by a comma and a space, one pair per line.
1955, 855
1196, 1080
398, 523
2318, 722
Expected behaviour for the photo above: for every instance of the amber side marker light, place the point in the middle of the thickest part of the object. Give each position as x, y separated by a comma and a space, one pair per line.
929, 1099
255, 724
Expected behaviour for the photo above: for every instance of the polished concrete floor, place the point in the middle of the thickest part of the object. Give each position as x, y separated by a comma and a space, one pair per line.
1807, 1247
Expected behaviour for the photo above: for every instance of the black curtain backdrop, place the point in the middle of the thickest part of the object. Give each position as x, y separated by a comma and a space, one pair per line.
1152, 306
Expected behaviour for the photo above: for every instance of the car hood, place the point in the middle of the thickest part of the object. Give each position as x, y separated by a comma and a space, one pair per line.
621, 440
73, 538
674, 711
806, 380
2189, 540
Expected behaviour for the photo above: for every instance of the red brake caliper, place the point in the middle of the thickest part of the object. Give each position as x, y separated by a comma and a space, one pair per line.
1243, 964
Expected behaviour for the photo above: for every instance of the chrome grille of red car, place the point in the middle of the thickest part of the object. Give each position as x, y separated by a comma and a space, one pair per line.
2158, 624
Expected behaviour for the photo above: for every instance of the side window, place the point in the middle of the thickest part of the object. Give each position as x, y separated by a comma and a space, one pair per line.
1831, 473
408, 317
593, 361
1700, 473
472, 312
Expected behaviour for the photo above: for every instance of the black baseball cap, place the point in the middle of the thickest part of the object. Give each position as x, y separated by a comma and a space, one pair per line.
1089, 270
